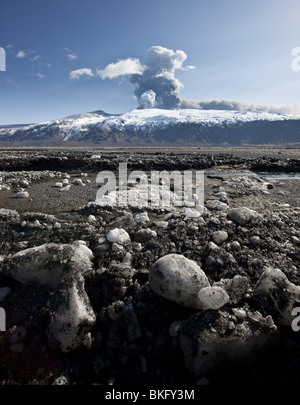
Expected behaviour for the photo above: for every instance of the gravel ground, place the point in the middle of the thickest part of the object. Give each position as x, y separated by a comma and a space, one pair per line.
138, 336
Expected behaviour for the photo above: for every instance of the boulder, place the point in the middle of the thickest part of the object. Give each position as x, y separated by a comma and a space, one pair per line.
61, 269
276, 293
178, 279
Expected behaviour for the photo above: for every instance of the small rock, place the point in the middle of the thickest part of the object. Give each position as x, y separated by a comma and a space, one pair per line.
24, 183
237, 287
220, 236
66, 188
212, 298
22, 194
125, 220
241, 216
19, 335
4, 291
78, 182
102, 240
174, 328
235, 245
239, 313
162, 224
219, 258
91, 219
142, 217
192, 213
295, 240
144, 235
61, 380
215, 205
255, 240
118, 235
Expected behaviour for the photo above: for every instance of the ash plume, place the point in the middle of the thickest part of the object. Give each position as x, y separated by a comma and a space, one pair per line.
155, 81
238, 106
157, 87
158, 76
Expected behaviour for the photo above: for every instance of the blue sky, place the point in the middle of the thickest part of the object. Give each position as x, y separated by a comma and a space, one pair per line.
240, 50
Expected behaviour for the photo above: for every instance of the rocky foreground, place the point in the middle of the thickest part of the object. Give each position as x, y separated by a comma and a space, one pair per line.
147, 296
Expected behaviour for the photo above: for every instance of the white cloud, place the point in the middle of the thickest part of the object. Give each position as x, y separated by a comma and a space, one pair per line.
21, 54
76, 74
123, 67
71, 55
160, 59
188, 67
31, 55
38, 75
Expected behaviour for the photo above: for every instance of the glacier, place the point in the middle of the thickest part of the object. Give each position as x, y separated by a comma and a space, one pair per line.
156, 125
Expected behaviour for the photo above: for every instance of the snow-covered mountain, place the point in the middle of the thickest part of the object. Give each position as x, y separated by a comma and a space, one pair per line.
161, 127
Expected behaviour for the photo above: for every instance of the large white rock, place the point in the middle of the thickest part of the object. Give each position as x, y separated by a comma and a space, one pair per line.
118, 235
273, 283
47, 264
61, 268
178, 279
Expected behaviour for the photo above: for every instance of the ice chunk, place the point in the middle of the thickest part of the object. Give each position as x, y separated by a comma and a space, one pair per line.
118, 235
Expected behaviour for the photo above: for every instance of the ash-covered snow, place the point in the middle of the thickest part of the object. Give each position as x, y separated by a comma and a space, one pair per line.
153, 117
79, 126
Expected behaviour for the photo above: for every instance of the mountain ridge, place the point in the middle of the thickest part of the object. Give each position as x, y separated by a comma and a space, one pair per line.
160, 127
